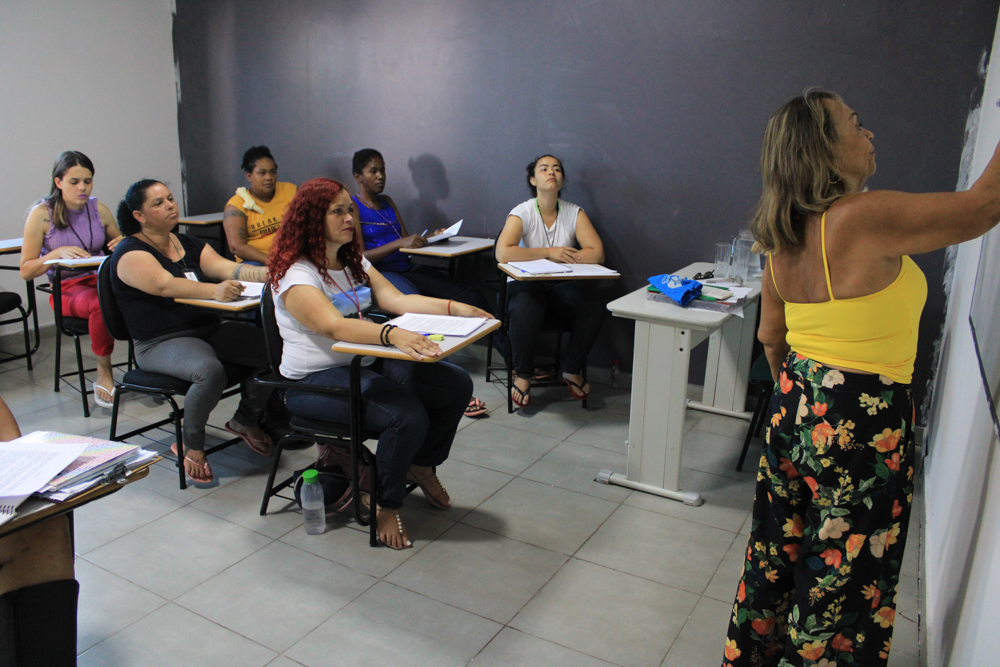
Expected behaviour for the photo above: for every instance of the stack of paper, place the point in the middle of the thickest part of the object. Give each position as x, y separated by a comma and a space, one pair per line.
438, 324
98, 456
27, 464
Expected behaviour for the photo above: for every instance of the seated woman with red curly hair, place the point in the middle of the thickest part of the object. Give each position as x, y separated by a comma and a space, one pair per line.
324, 287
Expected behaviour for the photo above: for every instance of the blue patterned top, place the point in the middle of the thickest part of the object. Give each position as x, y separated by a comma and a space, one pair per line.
379, 227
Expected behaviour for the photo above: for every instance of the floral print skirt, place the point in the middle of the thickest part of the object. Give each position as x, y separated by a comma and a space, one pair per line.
829, 524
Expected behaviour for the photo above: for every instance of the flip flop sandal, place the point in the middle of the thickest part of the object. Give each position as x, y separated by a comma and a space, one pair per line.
521, 402
475, 408
407, 544
100, 401
582, 396
198, 464
257, 445
434, 502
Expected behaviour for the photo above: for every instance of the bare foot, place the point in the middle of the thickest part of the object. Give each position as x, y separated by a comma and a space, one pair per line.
196, 465
391, 531
433, 489
520, 391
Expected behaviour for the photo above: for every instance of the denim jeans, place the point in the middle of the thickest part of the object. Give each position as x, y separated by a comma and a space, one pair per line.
416, 407
528, 303
434, 283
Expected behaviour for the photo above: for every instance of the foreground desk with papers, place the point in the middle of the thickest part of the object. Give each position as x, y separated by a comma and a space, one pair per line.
664, 337
449, 346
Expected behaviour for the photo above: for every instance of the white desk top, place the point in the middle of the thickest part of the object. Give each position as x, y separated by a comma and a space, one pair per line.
203, 220
635, 306
11, 245
238, 306
522, 276
453, 247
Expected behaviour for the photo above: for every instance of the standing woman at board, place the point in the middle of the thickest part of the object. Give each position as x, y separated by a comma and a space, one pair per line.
840, 310
546, 227
70, 224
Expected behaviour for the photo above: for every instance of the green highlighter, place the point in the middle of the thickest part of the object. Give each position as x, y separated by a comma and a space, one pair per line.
438, 337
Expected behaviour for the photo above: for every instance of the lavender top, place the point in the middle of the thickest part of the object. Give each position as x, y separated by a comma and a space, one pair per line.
85, 230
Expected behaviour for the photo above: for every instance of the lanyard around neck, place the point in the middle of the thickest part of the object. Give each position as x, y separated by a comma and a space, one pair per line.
353, 297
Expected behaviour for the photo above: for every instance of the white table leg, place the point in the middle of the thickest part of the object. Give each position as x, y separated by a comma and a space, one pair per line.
728, 370
659, 401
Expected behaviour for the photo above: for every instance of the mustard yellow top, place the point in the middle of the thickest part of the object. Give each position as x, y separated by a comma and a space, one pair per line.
876, 333
264, 218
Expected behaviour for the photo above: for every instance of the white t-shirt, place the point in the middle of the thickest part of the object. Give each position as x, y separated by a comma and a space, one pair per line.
535, 235
305, 351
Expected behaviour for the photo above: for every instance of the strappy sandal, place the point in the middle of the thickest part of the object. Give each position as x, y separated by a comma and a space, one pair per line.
109, 403
431, 499
204, 467
407, 543
475, 408
260, 446
582, 396
521, 398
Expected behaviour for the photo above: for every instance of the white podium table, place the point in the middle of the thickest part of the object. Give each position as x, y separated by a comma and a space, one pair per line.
665, 334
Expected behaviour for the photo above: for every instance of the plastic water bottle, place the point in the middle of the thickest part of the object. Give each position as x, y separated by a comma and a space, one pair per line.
313, 507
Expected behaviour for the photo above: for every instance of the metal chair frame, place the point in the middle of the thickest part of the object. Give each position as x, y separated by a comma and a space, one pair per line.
74, 327
302, 430
153, 384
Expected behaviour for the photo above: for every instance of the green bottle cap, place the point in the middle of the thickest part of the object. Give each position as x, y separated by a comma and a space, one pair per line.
310, 477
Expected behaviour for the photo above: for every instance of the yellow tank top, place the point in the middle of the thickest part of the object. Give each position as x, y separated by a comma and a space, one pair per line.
875, 333
262, 226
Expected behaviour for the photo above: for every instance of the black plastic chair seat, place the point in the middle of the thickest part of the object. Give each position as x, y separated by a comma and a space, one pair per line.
140, 380
76, 325
9, 301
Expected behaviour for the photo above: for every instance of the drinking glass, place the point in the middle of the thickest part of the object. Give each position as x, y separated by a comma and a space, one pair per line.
741, 258
723, 253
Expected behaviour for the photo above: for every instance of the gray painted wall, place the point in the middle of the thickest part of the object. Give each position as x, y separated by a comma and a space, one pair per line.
657, 108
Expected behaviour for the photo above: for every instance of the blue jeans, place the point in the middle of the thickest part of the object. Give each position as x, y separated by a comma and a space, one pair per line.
529, 302
434, 283
416, 407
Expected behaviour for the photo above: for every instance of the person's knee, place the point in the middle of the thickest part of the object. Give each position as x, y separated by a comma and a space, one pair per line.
411, 423
211, 373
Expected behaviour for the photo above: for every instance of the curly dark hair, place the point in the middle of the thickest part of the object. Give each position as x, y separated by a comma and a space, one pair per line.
303, 234
253, 154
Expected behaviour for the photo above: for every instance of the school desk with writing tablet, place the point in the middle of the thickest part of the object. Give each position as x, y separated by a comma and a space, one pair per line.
456, 246
34, 510
449, 346
665, 334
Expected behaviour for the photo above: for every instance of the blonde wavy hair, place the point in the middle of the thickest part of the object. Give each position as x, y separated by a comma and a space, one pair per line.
798, 167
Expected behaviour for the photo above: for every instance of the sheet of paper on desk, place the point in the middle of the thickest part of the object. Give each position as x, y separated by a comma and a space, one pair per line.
252, 290
541, 266
448, 233
76, 262
590, 270
438, 324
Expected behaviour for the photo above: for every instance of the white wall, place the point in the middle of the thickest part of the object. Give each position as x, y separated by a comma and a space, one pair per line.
962, 474
90, 75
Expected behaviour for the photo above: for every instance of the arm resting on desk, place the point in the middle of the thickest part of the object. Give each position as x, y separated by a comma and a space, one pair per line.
141, 271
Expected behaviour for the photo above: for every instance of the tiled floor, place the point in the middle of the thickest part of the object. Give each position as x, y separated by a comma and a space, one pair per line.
536, 564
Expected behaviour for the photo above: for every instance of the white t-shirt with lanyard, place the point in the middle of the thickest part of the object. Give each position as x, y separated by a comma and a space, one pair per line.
535, 234
306, 352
